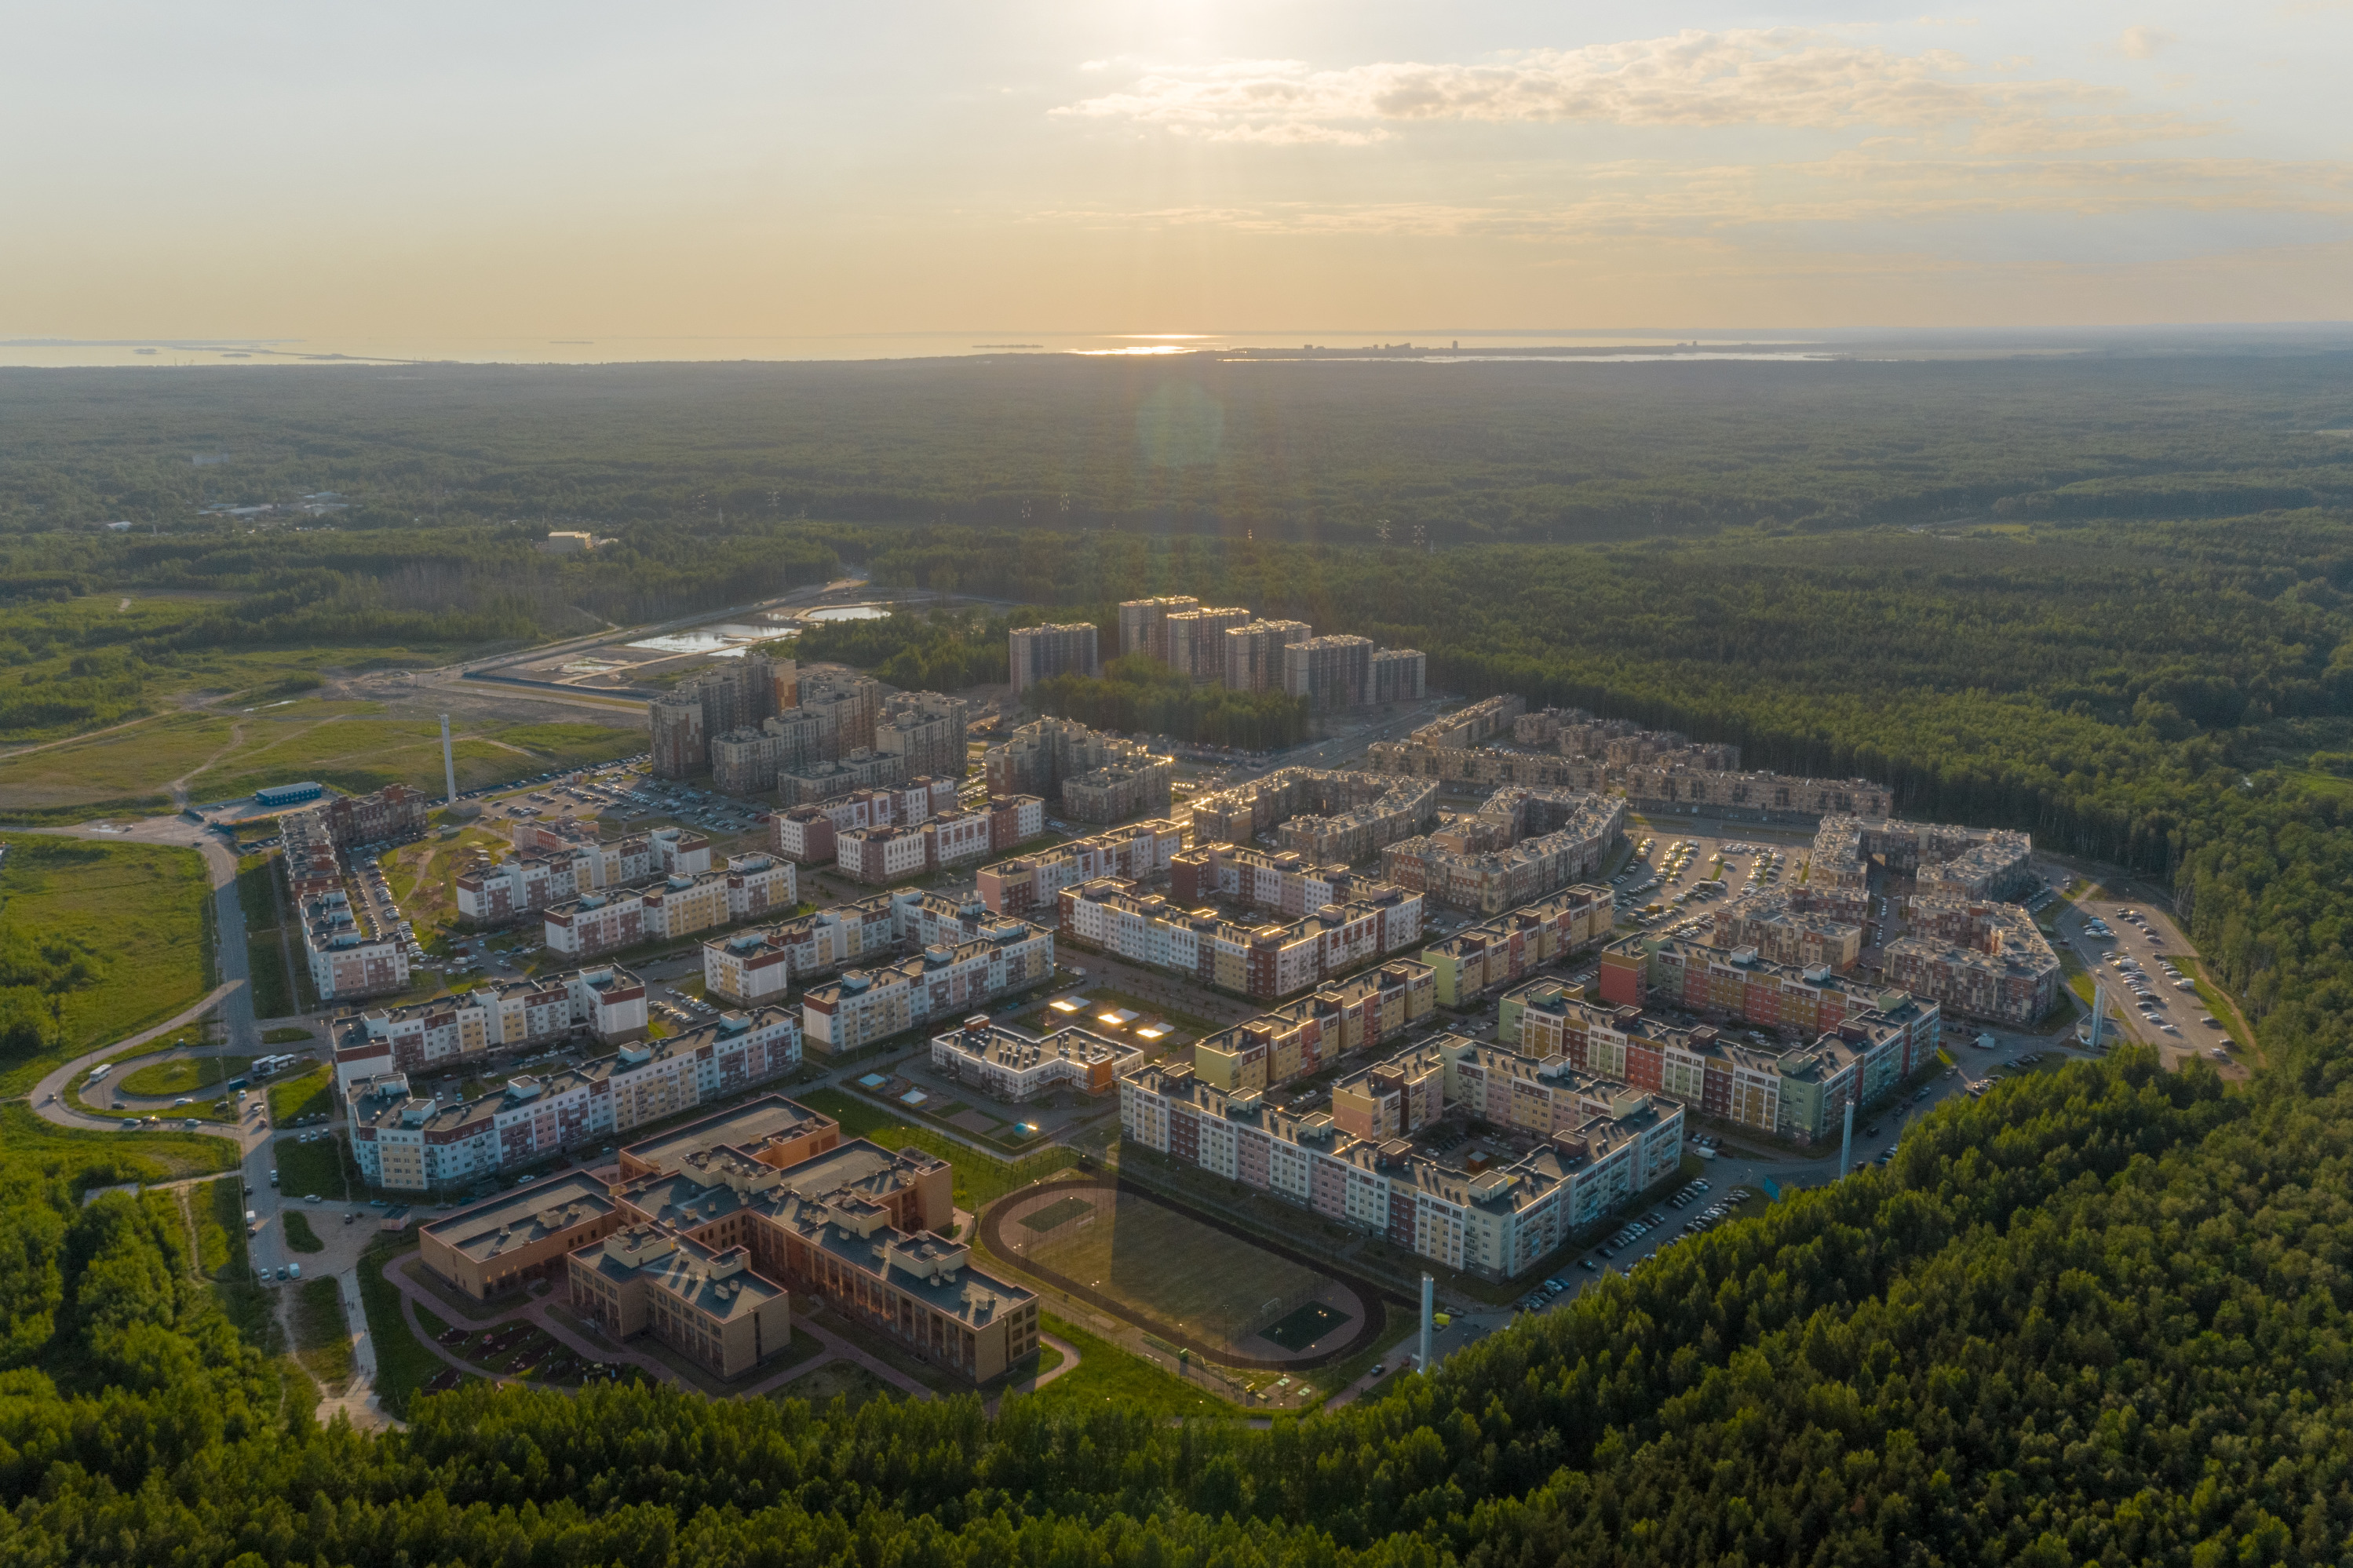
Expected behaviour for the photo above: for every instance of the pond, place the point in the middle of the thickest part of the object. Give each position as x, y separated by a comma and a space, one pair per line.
850, 613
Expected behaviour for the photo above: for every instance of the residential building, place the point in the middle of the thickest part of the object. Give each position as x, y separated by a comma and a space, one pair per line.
1965, 862
1400, 675
943, 980
1279, 880
1505, 950
1519, 846
1329, 816
846, 705
394, 814
1979, 958
808, 834
1328, 673
603, 1003
1009, 1064
1137, 852
1783, 929
1496, 1221
1097, 777
1040, 653
1143, 624
926, 732
756, 966
852, 771
1303, 1038
347, 960
1197, 640
681, 748
726, 697
1265, 961
407, 1141
1253, 660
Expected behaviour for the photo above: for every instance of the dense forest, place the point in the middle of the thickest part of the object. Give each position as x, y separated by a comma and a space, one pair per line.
1327, 451
2099, 1316
1141, 695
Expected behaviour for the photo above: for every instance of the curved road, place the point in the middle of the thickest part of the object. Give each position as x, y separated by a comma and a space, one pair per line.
233, 1000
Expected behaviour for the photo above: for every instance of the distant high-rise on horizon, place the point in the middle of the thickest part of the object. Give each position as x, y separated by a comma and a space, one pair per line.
1040, 653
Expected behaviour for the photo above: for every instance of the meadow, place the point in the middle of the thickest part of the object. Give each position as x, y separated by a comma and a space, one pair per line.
221, 754
116, 933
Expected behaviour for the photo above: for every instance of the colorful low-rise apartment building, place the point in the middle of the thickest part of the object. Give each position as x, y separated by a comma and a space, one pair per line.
1263, 961
1362, 1012
1863, 1043
1519, 846
678, 906
1984, 959
702, 1236
346, 959
1497, 1221
410, 1142
940, 981
1505, 950
1138, 853
760, 966
808, 834
602, 1002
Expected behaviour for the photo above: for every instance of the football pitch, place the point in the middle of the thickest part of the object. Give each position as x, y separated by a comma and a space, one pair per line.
1164, 1266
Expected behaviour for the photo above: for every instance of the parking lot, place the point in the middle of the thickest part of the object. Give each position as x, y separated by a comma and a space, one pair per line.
2131, 950
1688, 873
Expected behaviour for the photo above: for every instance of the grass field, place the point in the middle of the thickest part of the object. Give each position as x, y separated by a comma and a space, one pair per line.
224, 753
1166, 1266
980, 1179
306, 1094
1107, 1374
300, 1237
127, 923
839, 1380
402, 1363
267, 959
186, 1075
317, 1167
99, 1159
322, 1341
423, 879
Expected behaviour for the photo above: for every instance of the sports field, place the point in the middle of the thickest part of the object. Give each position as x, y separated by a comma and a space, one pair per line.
1168, 1269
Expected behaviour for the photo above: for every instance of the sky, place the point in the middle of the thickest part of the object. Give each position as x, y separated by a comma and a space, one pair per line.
540, 171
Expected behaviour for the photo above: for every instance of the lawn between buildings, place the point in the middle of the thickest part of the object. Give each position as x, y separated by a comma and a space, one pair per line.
980, 1178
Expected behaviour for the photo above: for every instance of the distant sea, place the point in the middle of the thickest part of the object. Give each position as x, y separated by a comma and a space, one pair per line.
1602, 346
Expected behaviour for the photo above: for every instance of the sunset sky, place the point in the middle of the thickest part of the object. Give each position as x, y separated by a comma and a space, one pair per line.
1280, 165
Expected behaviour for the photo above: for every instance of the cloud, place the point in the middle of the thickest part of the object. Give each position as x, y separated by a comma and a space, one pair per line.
1645, 197
1789, 77
2142, 43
